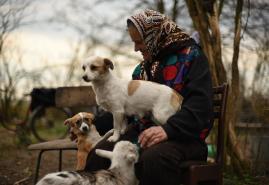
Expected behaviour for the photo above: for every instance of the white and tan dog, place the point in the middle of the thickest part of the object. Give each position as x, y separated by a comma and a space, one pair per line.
120, 172
84, 132
128, 97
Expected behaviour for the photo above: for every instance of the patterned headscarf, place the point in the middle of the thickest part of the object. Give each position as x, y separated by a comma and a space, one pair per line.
158, 32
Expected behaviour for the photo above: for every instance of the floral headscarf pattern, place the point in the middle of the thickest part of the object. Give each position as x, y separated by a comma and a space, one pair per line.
158, 32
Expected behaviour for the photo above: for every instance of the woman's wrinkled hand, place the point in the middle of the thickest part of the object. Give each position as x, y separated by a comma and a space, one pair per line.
152, 136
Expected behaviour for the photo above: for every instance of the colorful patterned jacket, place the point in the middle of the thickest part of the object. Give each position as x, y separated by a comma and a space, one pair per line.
186, 70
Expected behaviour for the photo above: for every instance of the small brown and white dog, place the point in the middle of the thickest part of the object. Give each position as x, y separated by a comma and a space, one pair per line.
121, 171
128, 97
84, 132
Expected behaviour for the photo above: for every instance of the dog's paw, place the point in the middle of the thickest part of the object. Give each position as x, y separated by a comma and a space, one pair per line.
110, 132
98, 152
114, 138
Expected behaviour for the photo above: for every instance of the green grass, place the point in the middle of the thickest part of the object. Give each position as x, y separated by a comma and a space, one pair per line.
247, 179
57, 130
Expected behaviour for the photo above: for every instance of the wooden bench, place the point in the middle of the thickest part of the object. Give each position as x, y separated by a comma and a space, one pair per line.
59, 145
81, 96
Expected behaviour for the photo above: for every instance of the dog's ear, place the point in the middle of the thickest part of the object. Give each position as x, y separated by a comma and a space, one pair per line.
89, 116
108, 63
69, 122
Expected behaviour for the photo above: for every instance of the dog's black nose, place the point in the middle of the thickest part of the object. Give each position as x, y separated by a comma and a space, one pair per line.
84, 129
85, 78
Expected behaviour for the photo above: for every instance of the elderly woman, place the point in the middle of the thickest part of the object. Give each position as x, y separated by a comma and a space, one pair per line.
171, 57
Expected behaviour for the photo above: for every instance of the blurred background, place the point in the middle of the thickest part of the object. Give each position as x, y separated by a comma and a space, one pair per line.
42, 44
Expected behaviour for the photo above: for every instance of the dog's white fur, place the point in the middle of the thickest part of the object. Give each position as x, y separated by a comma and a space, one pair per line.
128, 97
121, 171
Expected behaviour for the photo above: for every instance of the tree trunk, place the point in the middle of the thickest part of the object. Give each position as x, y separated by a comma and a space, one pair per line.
206, 21
161, 6
175, 10
234, 95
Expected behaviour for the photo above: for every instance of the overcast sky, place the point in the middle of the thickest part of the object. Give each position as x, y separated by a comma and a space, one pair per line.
43, 42
50, 43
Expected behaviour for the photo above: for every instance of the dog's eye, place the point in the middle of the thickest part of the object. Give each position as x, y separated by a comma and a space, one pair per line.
83, 67
87, 119
93, 67
77, 122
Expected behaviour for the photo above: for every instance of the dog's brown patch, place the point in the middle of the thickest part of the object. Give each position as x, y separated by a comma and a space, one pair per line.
99, 65
88, 116
71, 121
133, 86
72, 135
108, 63
102, 65
176, 99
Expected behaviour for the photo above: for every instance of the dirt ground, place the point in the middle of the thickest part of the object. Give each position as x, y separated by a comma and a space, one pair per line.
17, 164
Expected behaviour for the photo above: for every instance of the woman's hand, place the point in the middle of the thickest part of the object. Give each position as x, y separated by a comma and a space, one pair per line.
152, 136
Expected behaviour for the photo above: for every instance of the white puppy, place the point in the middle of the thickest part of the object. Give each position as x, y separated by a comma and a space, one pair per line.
128, 97
120, 172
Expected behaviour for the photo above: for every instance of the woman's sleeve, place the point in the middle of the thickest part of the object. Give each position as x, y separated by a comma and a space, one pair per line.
192, 120
136, 72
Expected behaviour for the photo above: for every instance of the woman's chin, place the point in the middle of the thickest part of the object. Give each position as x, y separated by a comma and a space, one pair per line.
146, 58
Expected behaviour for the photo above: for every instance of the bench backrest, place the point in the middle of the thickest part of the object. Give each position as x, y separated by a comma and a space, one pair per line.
78, 96
219, 104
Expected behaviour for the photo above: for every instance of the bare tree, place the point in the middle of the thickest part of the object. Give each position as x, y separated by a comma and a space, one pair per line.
206, 19
258, 30
12, 12
96, 29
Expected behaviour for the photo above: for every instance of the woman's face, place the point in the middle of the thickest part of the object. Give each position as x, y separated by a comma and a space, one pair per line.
139, 44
